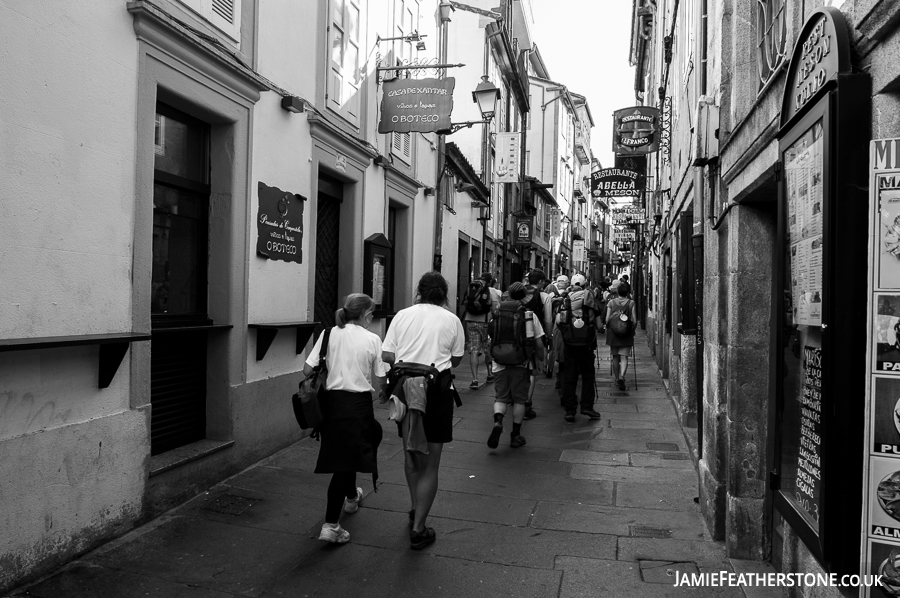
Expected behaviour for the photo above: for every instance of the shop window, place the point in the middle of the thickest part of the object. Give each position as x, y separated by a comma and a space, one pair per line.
771, 38
344, 32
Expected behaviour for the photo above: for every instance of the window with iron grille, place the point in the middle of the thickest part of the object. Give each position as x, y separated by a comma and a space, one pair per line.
771, 38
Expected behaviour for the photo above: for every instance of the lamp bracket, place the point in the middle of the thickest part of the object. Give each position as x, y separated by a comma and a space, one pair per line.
454, 127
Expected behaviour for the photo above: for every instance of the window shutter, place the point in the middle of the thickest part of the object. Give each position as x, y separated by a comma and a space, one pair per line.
225, 15
401, 146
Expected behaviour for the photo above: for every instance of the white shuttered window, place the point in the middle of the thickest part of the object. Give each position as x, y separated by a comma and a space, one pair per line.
344, 34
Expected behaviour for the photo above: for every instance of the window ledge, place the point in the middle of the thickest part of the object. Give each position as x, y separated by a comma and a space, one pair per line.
186, 454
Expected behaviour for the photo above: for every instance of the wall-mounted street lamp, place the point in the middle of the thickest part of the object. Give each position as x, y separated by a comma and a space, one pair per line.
486, 96
445, 9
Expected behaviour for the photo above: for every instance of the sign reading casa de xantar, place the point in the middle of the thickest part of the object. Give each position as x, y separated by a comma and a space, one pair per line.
616, 182
636, 130
416, 105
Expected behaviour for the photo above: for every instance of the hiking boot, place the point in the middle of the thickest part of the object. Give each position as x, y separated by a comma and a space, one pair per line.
494, 438
570, 416
422, 539
530, 414
474, 385
621, 383
517, 441
351, 505
590, 413
334, 533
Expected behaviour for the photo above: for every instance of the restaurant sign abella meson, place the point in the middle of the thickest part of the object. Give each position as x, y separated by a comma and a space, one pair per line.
416, 105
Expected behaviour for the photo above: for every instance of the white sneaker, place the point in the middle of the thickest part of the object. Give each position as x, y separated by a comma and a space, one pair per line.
333, 532
351, 505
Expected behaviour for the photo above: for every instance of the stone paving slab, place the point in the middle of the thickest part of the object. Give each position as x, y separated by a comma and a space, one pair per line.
393, 495
631, 445
242, 560
597, 519
705, 554
659, 408
520, 484
549, 463
269, 513
646, 424
596, 578
653, 435
639, 475
538, 441
355, 571
657, 460
483, 542
595, 458
85, 579
670, 497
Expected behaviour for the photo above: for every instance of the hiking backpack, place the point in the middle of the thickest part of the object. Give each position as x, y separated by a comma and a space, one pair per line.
576, 331
509, 336
621, 327
478, 298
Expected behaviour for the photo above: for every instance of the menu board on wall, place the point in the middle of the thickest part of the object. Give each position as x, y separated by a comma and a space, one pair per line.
884, 426
886, 332
802, 410
883, 559
803, 176
888, 189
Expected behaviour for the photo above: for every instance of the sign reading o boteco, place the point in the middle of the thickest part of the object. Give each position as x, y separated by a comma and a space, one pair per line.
416, 105
636, 130
279, 225
821, 52
616, 182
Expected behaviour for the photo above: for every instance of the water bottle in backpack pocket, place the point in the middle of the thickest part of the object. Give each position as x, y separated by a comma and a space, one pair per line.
509, 336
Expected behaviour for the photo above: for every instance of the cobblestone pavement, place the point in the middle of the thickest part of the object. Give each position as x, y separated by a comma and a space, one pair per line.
592, 508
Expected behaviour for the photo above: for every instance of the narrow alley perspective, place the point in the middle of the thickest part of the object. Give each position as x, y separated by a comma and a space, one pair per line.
594, 508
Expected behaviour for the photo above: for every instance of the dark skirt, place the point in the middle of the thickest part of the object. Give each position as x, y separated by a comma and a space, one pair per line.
349, 433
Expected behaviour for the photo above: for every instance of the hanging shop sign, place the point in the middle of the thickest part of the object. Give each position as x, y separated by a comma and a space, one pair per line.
416, 105
636, 130
507, 158
616, 182
821, 52
628, 215
624, 236
578, 250
665, 136
279, 225
524, 228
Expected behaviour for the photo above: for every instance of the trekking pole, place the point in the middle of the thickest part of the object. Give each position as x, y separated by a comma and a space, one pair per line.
634, 368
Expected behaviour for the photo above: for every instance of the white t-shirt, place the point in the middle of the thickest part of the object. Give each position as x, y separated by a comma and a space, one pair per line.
538, 333
354, 356
425, 333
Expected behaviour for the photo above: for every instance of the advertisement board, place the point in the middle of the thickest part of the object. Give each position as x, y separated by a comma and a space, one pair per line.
279, 225
416, 105
636, 130
507, 161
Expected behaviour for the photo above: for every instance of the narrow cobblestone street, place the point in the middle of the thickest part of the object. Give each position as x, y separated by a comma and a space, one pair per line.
594, 508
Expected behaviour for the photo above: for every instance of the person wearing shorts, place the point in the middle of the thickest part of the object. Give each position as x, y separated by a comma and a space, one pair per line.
427, 333
477, 332
513, 382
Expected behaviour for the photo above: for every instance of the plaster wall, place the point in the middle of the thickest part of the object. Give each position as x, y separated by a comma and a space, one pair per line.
67, 162
289, 52
68, 487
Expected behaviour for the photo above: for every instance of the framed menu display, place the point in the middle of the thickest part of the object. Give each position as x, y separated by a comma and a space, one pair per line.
819, 309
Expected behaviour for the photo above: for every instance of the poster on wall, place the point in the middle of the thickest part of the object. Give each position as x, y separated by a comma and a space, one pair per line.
886, 332
888, 189
884, 498
883, 559
884, 426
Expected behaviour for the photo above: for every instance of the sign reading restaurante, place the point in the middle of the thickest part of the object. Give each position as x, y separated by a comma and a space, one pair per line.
636, 130
616, 182
416, 105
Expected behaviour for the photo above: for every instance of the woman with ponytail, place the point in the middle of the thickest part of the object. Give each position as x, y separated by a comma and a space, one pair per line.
349, 433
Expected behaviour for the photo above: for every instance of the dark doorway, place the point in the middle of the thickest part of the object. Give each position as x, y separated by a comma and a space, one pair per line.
328, 235
178, 305
462, 272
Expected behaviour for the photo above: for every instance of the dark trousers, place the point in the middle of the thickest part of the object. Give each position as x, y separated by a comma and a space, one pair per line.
343, 485
579, 362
